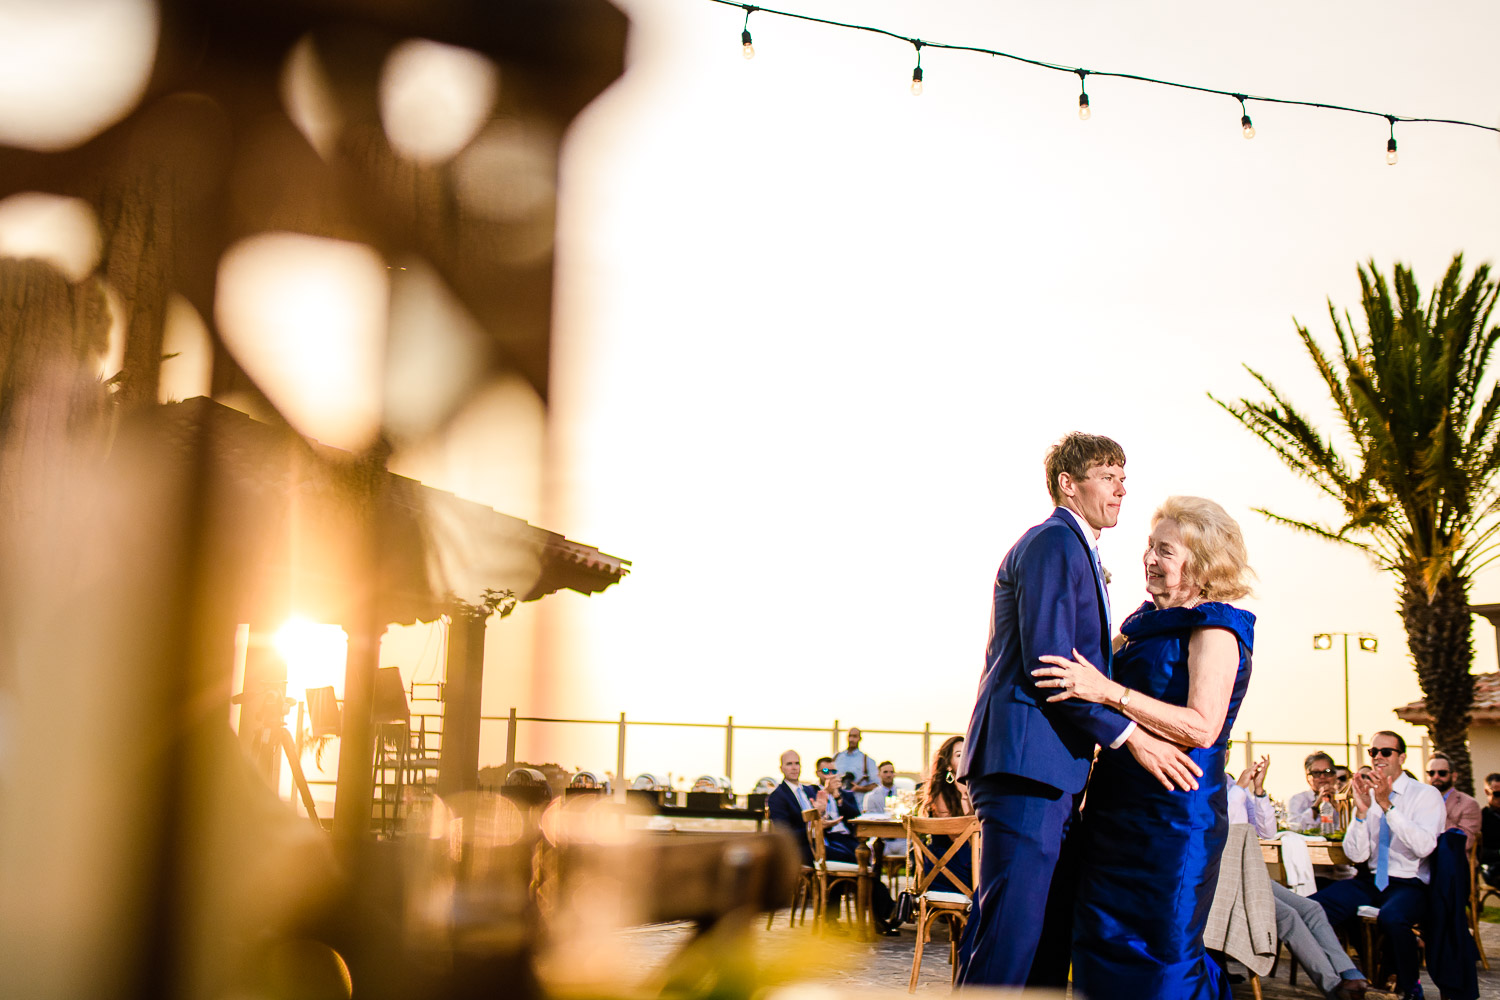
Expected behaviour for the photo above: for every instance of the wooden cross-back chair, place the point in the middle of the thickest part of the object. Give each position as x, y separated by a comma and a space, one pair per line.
828, 874
935, 904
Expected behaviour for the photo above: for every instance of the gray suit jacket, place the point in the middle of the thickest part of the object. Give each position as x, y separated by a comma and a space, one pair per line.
1242, 921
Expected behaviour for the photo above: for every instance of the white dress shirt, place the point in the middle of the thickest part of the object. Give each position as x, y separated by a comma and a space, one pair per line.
798, 793
1093, 544
1417, 816
1302, 811
1240, 805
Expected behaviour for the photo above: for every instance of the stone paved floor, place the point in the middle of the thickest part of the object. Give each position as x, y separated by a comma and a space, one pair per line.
833, 959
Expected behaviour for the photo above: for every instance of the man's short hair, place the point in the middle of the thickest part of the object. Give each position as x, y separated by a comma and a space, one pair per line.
821, 761
1493, 776
1400, 743
1313, 758
884, 763
1442, 757
1076, 454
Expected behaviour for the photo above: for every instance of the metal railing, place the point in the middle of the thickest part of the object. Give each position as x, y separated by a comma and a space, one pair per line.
729, 726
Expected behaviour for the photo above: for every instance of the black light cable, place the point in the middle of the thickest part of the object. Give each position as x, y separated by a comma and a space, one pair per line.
1084, 111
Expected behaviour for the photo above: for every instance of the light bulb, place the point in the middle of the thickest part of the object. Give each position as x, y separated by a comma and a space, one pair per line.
748, 49
1083, 107
1246, 127
1390, 152
916, 82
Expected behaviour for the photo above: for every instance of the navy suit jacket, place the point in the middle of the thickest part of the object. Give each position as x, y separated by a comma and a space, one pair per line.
787, 814
1046, 601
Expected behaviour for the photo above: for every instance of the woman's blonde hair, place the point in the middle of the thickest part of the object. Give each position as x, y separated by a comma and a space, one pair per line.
1216, 549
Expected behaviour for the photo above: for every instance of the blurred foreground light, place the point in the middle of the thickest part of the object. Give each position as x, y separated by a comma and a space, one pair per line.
308, 98
306, 317
187, 365
315, 655
434, 98
509, 173
61, 231
438, 351
71, 68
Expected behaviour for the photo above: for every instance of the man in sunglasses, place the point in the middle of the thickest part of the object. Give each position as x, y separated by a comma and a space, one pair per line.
1463, 809
1322, 785
1396, 824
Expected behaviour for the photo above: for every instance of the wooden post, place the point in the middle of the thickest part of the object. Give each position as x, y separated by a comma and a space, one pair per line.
926, 747
510, 741
462, 691
1249, 748
1359, 751
620, 757
835, 750
729, 749
356, 780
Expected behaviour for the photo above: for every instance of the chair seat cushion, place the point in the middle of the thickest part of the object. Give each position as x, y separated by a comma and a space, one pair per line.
951, 898
841, 867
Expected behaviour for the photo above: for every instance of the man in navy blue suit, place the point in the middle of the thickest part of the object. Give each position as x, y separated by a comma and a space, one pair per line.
1026, 760
788, 799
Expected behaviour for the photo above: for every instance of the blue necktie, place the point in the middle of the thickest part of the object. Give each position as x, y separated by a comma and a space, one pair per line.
1383, 855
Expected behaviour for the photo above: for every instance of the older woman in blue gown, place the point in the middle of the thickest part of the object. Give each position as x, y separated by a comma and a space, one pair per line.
1150, 854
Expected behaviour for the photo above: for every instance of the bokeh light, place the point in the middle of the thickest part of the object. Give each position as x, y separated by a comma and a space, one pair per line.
434, 98
69, 70
305, 317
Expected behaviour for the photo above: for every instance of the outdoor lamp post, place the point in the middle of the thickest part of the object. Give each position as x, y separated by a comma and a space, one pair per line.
1367, 643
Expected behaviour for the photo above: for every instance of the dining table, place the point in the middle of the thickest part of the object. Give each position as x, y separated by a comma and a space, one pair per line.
865, 826
1320, 851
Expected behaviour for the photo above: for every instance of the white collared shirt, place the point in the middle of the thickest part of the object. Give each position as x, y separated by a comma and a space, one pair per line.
797, 793
1240, 805
1417, 817
1093, 544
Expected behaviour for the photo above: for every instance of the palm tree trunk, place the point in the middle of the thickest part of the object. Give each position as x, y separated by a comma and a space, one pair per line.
1439, 634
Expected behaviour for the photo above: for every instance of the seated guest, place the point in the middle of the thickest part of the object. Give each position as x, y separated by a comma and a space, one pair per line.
875, 802
1489, 838
839, 843
943, 796
1248, 801
790, 798
858, 765
1300, 922
1395, 828
836, 805
1340, 780
1303, 812
875, 797
1462, 808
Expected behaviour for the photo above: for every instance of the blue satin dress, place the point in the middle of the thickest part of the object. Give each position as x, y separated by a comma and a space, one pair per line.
1150, 857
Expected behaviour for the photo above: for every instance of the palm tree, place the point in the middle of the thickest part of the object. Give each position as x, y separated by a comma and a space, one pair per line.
1415, 471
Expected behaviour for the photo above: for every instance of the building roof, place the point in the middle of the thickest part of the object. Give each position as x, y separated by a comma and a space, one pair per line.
1486, 704
293, 526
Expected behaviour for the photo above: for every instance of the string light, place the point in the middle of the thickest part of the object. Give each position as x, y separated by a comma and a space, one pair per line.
1084, 112
745, 44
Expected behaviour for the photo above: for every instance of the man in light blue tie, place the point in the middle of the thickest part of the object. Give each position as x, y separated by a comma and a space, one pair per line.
1396, 824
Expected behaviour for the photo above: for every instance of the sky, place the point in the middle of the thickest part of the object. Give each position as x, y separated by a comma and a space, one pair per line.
813, 336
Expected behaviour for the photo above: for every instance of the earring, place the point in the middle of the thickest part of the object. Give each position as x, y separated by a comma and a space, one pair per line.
949, 778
